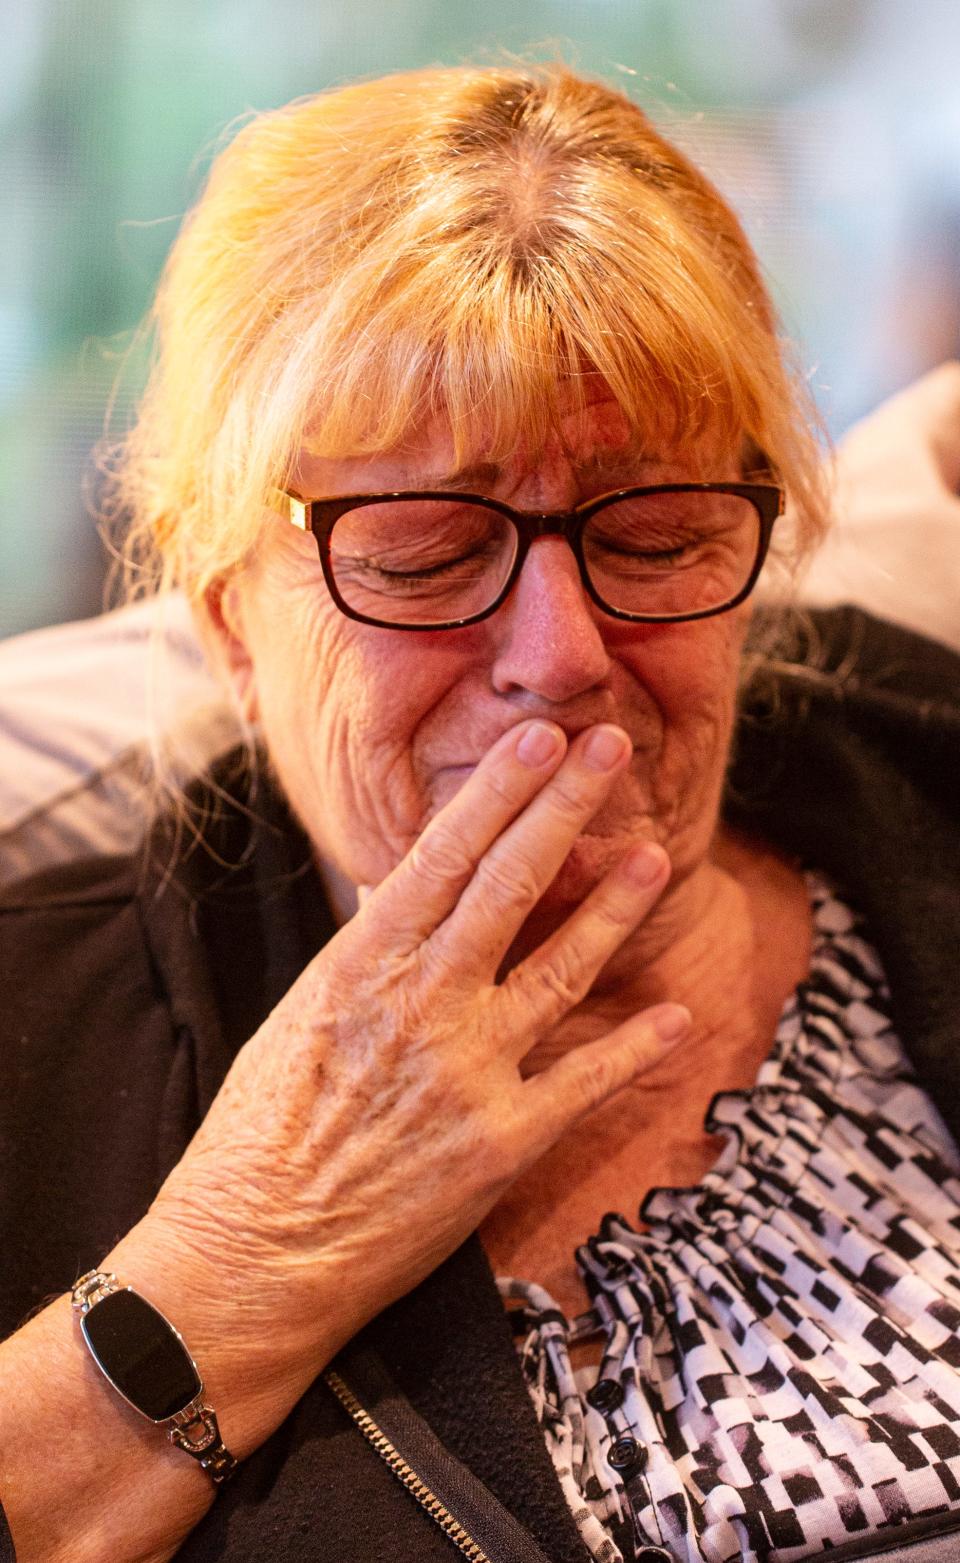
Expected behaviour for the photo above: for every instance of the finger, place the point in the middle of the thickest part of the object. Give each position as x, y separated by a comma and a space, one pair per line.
424, 888
583, 1079
545, 986
513, 874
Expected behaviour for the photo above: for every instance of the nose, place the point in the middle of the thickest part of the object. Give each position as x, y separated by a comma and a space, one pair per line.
548, 637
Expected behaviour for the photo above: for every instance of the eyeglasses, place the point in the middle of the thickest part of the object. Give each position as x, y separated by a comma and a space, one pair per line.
435, 560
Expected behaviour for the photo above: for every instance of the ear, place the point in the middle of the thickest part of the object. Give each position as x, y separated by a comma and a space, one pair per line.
225, 640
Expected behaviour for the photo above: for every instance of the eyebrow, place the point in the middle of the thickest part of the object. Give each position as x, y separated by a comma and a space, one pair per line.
478, 475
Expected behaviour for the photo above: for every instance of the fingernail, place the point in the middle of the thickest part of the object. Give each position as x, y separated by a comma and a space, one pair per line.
537, 744
604, 748
670, 1021
645, 863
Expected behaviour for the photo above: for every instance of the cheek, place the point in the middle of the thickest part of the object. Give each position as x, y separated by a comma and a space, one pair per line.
694, 681
344, 736
688, 667
689, 674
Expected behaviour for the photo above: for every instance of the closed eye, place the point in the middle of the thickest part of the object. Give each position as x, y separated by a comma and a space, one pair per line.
420, 569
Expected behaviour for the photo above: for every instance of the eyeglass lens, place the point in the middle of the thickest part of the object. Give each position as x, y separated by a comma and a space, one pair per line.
425, 561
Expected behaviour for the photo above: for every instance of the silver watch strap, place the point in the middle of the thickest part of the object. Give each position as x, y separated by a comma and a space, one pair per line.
193, 1428
196, 1432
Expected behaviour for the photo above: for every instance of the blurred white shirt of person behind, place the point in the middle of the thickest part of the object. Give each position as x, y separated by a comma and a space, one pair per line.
87, 708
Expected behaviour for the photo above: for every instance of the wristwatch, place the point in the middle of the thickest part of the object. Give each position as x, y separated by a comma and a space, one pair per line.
143, 1357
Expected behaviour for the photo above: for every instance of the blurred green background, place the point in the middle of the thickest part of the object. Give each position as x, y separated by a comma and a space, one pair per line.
833, 125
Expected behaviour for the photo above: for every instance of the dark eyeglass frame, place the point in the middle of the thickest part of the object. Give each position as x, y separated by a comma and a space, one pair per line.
320, 516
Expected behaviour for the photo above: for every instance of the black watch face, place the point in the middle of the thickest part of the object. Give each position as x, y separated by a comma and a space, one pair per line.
141, 1354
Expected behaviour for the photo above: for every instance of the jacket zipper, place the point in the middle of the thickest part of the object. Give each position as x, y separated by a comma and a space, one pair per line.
391, 1456
867, 1548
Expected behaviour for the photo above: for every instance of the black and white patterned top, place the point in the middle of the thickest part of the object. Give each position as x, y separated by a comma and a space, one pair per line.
780, 1373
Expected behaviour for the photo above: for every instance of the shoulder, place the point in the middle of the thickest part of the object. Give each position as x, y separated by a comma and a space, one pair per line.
178, 920
83, 885
57, 923
846, 657
870, 653
847, 718
75, 960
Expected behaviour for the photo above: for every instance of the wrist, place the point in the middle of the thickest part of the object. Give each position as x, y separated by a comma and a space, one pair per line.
256, 1349
81, 1476
143, 1358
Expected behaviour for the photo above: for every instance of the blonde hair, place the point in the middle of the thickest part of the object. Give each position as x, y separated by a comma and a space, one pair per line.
457, 241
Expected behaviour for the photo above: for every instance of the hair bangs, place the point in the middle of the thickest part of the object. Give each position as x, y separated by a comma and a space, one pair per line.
505, 355
467, 245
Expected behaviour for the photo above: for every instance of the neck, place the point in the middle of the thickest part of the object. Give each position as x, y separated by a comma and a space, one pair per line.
731, 940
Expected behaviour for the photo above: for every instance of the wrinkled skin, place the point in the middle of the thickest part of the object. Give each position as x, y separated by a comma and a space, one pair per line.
454, 1030
371, 731
441, 1064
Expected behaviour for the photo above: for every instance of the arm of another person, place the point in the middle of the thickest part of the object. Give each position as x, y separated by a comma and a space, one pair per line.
79, 705
895, 545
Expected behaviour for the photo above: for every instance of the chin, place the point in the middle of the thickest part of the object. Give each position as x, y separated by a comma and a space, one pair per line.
584, 866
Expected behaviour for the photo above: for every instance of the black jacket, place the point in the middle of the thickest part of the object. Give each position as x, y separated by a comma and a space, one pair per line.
853, 766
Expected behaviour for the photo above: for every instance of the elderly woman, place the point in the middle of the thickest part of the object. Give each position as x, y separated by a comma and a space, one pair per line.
468, 436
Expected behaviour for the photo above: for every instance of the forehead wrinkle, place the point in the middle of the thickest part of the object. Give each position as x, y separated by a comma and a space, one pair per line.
601, 457
603, 466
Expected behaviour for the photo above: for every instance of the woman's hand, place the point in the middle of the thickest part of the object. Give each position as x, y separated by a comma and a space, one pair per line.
363, 1132
380, 1111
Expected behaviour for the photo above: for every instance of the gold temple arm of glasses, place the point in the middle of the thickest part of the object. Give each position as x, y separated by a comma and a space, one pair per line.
290, 507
